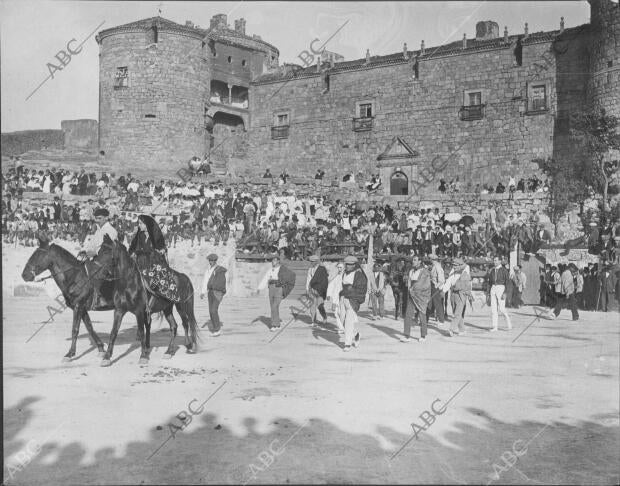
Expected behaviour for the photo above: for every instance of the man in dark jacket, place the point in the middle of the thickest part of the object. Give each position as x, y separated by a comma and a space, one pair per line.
316, 287
280, 280
214, 285
419, 295
607, 288
354, 287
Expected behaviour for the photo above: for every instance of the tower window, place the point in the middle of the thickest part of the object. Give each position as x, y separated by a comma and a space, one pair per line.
229, 59
121, 78
150, 116
152, 36
610, 63
243, 63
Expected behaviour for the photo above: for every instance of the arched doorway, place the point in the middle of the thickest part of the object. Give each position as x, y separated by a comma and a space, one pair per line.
227, 134
399, 184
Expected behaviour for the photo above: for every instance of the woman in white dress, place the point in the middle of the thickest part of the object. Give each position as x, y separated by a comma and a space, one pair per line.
333, 295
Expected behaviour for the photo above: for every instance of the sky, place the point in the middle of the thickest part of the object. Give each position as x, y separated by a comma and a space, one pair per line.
33, 32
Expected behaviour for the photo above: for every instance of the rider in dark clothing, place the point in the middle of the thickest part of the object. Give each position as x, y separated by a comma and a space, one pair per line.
149, 248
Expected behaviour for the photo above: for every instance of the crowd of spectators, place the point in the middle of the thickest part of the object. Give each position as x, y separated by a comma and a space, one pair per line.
261, 219
529, 185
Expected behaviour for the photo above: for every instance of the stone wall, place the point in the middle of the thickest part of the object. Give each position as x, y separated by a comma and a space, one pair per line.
160, 117
604, 88
423, 111
80, 134
16, 143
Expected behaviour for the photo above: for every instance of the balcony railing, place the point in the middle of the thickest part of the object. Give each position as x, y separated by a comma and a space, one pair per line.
279, 132
472, 112
362, 124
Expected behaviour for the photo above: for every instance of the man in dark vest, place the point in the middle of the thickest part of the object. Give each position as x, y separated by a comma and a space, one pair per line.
214, 285
280, 281
316, 287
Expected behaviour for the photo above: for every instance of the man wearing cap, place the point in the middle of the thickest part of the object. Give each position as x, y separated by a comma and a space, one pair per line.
459, 284
377, 296
104, 227
607, 284
352, 295
94, 243
316, 287
280, 281
214, 285
419, 295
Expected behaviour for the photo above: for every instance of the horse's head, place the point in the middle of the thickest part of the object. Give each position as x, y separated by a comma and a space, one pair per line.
40, 260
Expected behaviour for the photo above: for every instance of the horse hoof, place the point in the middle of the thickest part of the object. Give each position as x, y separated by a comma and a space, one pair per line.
66, 359
143, 361
191, 351
106, 362
167, 356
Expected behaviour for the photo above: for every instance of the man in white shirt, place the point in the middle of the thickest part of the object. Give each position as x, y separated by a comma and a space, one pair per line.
94, 244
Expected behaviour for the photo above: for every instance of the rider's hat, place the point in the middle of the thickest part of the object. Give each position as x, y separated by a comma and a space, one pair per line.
102, 212
212, 257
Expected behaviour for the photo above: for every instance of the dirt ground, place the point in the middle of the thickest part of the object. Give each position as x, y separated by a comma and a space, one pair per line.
534, 405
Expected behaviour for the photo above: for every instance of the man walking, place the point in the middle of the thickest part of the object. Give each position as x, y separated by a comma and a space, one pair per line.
316, 287
280, 281
214, 285
497, 278
419, 283
568, 291
436, 304
352, 295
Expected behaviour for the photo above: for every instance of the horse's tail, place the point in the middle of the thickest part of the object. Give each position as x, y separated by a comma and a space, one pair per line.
188, 304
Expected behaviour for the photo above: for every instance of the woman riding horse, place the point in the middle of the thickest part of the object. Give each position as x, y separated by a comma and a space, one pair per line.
149, 248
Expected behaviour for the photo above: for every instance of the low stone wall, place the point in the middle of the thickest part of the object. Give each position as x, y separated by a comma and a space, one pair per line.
17, 143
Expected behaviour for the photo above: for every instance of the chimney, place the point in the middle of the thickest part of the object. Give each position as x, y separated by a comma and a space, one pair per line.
526, 31
331, 60
189, 23
464, 41
219, 21
422, 48
240, 26
506, 34
561, 24
487, 29
318, 64
405, 52
367, 56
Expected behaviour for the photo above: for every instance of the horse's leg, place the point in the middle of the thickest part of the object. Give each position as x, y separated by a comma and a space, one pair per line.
93, 334
75, 330
186, 311
173, 331
118, 317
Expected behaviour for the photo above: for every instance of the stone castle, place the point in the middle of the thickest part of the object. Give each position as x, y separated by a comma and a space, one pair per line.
478, 109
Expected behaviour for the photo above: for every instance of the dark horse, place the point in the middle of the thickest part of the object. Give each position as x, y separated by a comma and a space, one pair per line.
131, 295
72, 277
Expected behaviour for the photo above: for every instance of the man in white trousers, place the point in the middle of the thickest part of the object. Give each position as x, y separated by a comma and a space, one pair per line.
497, 278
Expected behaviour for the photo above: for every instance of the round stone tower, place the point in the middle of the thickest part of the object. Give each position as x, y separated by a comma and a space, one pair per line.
604, 83
154, 84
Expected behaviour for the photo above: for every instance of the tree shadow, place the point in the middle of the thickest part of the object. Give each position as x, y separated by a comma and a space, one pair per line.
205, 450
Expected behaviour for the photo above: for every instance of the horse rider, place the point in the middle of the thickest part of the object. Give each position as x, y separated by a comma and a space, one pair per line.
93, 244
148, 247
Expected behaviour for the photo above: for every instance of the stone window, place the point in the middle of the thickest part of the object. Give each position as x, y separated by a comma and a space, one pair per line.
365, 109
229, 59
152, 36
537, 97
399, 184
280, 128
473, 105
121, 78
243, 63
281, 119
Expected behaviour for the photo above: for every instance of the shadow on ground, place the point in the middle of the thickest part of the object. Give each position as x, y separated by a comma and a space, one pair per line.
318, 451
